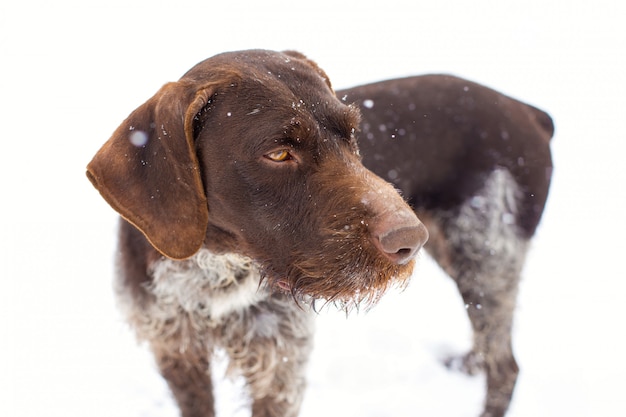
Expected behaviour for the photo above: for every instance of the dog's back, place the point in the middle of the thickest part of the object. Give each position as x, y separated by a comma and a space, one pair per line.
437, 138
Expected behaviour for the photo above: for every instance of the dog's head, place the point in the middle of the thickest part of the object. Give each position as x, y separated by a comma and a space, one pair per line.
251, 152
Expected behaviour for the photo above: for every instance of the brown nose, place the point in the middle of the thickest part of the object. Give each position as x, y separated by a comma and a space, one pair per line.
399, 238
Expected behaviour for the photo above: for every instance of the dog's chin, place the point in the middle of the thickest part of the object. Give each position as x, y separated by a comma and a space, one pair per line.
357, 288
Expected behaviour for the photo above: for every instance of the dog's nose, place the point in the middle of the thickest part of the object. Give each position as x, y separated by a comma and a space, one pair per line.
400, 238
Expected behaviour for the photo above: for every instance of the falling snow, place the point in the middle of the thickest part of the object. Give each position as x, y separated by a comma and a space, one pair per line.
65, 350
138, 138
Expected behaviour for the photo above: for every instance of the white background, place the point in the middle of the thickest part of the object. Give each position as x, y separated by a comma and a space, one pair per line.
71, 71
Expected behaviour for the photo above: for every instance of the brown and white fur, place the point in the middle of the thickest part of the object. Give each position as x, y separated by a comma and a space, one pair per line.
244, 199
476, 167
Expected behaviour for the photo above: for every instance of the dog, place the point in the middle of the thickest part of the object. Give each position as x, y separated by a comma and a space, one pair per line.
244, 198
476, 167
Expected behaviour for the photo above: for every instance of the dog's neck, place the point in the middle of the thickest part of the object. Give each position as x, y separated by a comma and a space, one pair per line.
208, 284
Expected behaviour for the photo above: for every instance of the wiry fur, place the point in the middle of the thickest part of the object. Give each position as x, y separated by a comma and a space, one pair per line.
214, 301
345, 252
480, 246
248, 190
476, 166
245, 192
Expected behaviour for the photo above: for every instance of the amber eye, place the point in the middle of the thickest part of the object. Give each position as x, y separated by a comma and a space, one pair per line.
279, 156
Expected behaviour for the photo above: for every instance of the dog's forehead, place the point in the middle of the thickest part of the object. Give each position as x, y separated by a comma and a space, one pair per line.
276, 70
289, 85
282, 72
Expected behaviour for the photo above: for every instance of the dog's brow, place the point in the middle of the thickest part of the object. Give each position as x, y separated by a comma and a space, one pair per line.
293, 134
345, 121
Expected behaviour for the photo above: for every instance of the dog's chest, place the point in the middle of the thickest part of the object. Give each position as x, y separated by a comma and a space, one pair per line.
209, 285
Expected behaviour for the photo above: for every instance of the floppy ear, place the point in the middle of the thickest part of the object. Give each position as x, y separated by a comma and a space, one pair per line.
148, 171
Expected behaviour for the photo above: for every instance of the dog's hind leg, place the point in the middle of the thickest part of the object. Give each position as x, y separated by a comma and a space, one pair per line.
479, 246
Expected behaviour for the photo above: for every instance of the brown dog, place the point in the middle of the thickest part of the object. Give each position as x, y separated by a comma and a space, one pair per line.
476, 167
247, 168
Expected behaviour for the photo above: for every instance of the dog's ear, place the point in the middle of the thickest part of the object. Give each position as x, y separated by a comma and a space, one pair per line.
148, 171
310, 62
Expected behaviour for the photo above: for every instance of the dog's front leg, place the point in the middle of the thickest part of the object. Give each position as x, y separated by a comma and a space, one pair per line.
269, 344
189, 380
278, 389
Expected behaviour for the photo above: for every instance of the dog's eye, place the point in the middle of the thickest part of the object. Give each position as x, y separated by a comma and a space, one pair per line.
279, 156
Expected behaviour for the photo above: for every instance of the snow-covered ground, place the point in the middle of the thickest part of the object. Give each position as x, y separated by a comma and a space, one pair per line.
71, 71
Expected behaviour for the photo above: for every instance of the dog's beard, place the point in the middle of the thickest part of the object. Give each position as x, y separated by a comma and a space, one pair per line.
355, 277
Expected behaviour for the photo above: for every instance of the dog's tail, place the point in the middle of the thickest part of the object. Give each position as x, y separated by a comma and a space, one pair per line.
536, 178
544, 120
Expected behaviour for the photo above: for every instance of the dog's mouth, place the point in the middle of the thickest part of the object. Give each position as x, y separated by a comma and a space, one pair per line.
283, 285
361, 289
277, 283
344, 269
